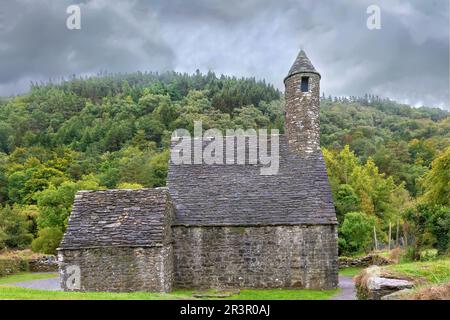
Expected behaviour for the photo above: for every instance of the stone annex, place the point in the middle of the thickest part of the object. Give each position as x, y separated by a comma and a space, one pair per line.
216, 226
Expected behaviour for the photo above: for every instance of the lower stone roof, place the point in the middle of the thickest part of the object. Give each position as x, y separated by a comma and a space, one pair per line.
132, 218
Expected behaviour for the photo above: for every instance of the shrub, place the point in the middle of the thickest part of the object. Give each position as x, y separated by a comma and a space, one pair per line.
47, 241
128, 185
3, 238
428, 255
356, 233
14, 228
12, 265
439, 225
430, 227
346, 201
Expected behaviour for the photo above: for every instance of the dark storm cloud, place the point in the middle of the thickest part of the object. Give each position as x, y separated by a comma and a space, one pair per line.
115, 36
408, 59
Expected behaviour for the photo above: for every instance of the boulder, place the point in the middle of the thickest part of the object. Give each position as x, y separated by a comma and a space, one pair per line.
372, 285
379, 287
404, 294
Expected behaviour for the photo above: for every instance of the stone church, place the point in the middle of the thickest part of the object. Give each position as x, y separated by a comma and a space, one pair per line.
216, 226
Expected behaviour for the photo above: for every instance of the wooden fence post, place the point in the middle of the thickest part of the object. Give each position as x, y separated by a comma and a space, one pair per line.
397, 236
375, 238
390, 231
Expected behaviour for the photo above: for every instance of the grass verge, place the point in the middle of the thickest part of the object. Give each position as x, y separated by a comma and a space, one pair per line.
434, 272
19, 293
26, 276
350, 271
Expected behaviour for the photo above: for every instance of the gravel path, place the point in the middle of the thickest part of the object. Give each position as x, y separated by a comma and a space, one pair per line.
348, 291
44, 284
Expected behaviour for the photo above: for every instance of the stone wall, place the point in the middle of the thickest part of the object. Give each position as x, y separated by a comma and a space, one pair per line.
120, 269
43, 264
302, 123
365, 261
256, 257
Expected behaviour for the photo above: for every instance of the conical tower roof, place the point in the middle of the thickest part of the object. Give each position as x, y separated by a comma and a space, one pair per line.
301, 65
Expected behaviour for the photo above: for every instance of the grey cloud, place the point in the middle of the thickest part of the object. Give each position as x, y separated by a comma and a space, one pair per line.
115, 36
408, 59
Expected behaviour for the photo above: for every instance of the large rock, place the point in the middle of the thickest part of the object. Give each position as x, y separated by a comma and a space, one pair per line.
372, 285
379, 287
404, 294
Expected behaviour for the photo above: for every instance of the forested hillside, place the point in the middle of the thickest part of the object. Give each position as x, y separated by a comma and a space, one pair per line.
387, 162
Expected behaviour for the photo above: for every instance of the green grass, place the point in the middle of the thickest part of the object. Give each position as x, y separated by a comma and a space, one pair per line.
350, 271
18, 293
278, 294
432, 271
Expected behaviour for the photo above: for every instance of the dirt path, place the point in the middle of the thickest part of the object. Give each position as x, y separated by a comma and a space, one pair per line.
348, 291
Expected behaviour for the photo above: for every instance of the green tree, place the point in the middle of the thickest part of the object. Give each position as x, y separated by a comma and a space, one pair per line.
249, 117
126, 185
14, 228
55, 203
47, 241
418, 220
437, 181
439, 225
346, 201
356, 233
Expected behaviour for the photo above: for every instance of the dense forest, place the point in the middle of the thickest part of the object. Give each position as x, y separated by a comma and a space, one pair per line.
388, 163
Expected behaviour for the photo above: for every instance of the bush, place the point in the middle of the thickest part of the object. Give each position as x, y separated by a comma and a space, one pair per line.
346, 201
3, 237
47, 241
428, 255
127, 185
439, 225
430, 227
14, 228
12, 265
356, 233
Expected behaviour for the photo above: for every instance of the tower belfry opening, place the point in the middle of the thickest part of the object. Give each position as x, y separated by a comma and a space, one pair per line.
305, 84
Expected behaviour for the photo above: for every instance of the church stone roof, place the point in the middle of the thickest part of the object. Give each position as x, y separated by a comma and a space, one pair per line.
131, 218
302, 65
237, 195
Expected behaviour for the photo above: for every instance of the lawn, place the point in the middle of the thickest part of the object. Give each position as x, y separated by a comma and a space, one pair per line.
18, 293
431, 271
26, 276
350, 271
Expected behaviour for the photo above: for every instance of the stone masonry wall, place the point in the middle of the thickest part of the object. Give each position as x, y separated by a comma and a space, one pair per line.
302, 122
120, 269
256, 257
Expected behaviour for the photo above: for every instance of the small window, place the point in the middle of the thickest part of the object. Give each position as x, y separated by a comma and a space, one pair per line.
305, 84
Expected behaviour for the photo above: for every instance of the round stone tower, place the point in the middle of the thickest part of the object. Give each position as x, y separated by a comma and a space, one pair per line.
302, 96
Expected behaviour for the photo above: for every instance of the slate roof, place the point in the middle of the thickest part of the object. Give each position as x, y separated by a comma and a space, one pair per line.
132, 218
230, 195
301, 65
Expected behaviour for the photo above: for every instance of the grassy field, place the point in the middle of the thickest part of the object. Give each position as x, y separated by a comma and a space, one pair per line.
26, 276
18, 293
430, 271
350, 271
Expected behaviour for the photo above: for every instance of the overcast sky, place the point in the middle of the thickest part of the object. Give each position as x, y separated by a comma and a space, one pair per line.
407, 60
